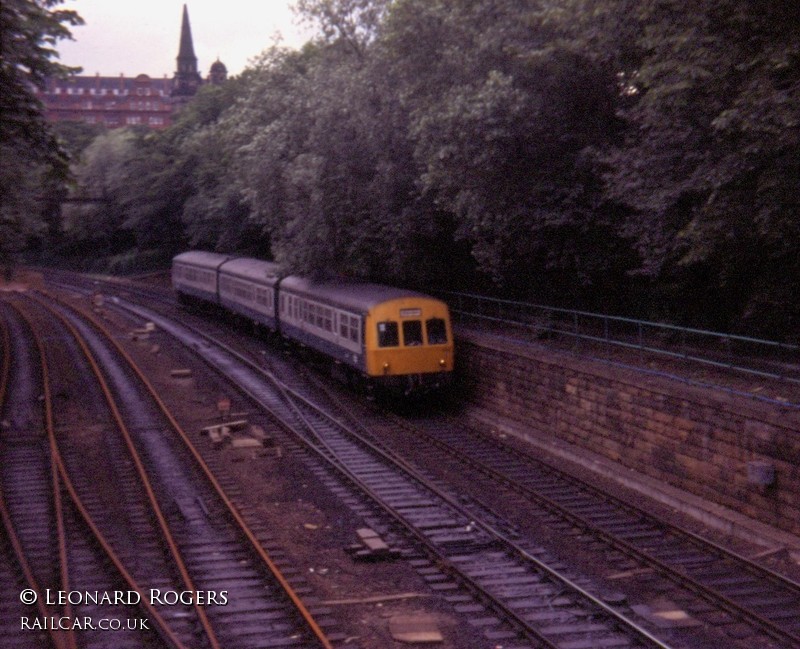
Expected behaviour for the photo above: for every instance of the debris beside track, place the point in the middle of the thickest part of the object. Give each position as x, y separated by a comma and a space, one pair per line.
237, 434
371, 547
417, 628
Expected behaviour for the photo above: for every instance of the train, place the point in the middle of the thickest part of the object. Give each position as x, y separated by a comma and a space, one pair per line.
374, 335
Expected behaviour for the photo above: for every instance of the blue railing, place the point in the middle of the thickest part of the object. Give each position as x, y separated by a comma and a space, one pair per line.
597, 332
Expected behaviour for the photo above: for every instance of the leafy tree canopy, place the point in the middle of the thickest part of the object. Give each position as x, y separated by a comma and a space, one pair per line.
30, 30
631, 155
31, 161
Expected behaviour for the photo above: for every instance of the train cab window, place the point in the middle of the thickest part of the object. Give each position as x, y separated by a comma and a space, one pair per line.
437, 332
412, 333
388, 335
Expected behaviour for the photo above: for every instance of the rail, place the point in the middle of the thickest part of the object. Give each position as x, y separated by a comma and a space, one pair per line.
753, 356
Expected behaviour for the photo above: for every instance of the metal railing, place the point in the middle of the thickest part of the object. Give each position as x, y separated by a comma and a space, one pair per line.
593, 332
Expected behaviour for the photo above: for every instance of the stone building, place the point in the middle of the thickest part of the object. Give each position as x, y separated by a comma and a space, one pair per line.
130, 101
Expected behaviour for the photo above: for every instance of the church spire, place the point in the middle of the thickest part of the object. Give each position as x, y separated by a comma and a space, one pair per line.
186, 51
187, 78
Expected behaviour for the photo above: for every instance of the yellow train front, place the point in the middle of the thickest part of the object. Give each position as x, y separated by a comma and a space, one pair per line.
409, 344
396, 339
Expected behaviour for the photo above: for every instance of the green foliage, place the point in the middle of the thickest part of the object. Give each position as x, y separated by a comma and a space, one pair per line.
500, 115
103, 175
21, 182
710, 163
32, 162
351, 23
638, 156
29, 30
74, 137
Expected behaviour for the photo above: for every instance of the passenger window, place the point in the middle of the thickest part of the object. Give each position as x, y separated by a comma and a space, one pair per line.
437, 332
412, 333
388, 335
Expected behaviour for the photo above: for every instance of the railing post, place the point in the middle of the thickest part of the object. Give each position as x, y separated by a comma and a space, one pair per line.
780, 361
575, 329
641, 342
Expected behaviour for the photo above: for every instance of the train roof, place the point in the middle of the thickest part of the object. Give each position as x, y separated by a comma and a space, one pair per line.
203, 259
360, 296
254, 269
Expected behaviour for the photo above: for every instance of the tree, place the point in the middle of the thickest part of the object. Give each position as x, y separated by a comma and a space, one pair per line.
215, 213
352, 23
101, 175
503, 107
711, 157
30, 153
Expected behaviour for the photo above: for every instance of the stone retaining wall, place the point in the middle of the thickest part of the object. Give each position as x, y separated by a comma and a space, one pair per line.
716, 445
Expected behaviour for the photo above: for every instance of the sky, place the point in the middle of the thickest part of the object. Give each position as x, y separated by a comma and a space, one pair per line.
142, 36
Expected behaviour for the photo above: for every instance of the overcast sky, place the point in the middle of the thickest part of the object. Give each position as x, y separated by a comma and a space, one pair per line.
142, 36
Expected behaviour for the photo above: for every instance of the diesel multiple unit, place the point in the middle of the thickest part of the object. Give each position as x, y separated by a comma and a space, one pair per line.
394, 338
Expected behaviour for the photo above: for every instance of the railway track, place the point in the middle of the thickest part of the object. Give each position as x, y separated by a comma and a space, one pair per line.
740, 597
730, 592
15, 575
53, 546
523, 609
188, 539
